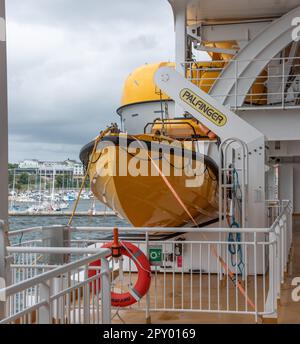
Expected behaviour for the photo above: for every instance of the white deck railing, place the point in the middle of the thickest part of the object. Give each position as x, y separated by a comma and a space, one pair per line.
278, 87
198, 271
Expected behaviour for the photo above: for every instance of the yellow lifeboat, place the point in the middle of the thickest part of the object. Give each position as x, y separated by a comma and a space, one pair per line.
143, 197
121, 171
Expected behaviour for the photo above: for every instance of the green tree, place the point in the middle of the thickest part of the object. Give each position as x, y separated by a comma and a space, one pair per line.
12, 166
23, 179
10, 178
59, 182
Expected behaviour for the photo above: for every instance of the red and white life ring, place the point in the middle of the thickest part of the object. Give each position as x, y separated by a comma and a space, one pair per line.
142, 285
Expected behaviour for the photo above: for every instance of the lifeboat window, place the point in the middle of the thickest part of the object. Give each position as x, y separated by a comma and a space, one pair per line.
135, 115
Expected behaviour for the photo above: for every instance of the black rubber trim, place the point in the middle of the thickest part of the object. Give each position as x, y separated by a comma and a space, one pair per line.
155, 236
87, 150
141, 103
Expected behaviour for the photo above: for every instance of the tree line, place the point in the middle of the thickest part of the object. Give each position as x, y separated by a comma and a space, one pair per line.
25, 180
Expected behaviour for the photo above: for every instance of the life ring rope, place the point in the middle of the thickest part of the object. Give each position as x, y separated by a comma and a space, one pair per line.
134, 257
135, 294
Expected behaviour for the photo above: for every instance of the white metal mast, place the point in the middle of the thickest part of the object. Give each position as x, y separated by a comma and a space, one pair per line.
14, 190
53, 188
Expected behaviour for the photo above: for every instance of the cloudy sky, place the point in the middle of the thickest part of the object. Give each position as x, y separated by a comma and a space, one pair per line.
68, 60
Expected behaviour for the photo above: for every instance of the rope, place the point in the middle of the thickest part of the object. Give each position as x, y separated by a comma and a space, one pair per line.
235, 249
98, 139
134, 258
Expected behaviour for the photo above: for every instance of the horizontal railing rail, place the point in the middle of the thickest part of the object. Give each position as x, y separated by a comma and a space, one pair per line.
197, 272
277, 87
59, 295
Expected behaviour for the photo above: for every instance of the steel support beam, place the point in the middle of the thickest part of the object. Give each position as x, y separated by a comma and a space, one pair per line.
227, 32
275, 124
3, 151
180, 18
3, 119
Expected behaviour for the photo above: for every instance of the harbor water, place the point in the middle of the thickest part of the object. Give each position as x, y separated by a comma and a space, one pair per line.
21, 222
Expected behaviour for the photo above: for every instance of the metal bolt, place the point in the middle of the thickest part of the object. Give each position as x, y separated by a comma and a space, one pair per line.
165, 77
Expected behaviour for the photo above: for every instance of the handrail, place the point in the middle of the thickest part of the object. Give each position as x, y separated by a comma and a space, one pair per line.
144, 230
277, 220
53, 250
27, 230
171, 123
24, 312
181, 230
282, 76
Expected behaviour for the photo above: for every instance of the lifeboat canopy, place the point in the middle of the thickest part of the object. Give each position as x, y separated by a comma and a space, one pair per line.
140, 87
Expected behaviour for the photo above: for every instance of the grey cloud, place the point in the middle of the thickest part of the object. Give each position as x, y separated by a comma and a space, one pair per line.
68, 61
88, 13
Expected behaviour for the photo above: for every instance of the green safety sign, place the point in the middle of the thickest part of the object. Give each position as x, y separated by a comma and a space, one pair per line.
155, 255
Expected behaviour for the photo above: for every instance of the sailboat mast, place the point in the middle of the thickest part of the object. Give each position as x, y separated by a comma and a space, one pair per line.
53, 186
40, 188
14, 190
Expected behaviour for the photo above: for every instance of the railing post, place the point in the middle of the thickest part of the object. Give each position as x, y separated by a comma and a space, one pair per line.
105, 292
5, 271
290, 238
236, 83
283, 83
86, 299
272, 273
44, 313
277, 263
255, 276
148, 316
284, 246
56, 237
271, 302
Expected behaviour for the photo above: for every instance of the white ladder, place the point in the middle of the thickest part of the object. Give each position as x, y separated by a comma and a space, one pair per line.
230, 164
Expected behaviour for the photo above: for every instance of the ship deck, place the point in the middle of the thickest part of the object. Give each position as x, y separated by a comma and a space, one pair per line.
288, 310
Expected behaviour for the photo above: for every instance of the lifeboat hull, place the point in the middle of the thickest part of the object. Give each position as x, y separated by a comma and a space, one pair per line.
146, 200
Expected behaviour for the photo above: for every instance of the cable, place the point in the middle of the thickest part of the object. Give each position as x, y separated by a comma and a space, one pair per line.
163, 157
98, 139
235, 249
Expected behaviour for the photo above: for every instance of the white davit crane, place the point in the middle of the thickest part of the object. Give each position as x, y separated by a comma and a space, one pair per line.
227, 125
